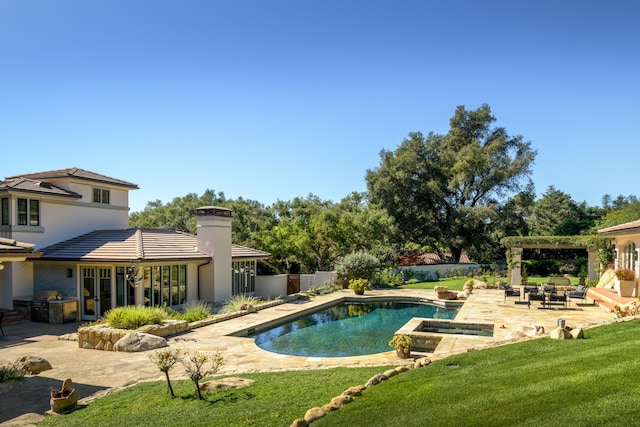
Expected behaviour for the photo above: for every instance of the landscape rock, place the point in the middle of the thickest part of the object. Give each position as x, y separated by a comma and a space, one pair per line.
249, 307
376, 379
422, 362
342, 400
299, 422
34, 364
355, 390
577, 333
390, 373
559, 334
314, 414
138, 341
223, 384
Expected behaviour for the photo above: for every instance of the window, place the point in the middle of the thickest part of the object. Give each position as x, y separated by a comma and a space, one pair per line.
28, 212
165, 285
244, 277
100, 196
5, 211
22, 211
34, 212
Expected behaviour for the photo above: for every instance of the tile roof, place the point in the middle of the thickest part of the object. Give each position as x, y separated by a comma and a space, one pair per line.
446, 258
11, 250
10, 245
136, 244
626, 228
75, 173
32, 186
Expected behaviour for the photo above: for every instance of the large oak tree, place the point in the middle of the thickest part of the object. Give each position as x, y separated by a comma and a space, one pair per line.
445, 191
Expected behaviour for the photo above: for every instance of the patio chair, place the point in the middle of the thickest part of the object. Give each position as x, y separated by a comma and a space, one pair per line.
579, 293
558, 297
510, 292
536, 295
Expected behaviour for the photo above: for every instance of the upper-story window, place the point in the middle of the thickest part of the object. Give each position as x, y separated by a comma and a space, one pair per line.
101, 196
28, 212
5, 211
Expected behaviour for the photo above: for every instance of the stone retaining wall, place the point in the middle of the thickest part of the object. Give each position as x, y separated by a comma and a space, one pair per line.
104, 337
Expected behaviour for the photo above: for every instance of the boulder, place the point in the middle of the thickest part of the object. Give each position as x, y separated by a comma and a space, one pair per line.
422, 362
559, 334
390, 373
355, 390
376, 379
34, 364
223, 384
342, 400
299, 422
138, 341
314, 414
249, 307
577, 333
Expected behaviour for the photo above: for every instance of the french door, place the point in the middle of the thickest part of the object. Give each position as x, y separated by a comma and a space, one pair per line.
96, 292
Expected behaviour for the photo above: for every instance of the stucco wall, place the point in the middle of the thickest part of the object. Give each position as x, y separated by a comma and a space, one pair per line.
273, 286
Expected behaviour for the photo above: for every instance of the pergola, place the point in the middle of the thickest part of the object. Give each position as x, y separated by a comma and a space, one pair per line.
515, 245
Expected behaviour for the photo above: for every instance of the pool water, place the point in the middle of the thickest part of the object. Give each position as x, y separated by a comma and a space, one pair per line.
349, 329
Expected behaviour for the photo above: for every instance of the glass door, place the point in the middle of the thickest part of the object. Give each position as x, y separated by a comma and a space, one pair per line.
88, 299
96, 292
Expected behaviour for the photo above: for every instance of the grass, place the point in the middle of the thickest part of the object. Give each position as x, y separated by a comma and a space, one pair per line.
457, 283
276, 399
539, 382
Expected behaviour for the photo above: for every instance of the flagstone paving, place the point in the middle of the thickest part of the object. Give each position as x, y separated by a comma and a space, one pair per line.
96, 373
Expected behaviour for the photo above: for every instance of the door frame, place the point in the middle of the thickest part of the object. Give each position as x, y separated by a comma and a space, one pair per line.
96, 288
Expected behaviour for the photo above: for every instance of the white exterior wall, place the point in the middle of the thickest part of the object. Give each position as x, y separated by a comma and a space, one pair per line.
63, 219
274, 286
214, 239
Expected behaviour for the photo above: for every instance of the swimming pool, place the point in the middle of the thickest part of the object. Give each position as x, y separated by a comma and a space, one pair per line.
347, 329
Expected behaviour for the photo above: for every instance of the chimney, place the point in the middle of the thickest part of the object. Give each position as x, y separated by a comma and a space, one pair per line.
214, 239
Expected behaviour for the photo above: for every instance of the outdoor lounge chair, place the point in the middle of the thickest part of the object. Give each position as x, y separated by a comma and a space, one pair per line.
579, 293
535, 295
510, 292
558, 297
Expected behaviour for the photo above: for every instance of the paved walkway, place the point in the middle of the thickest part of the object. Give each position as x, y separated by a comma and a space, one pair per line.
96, 373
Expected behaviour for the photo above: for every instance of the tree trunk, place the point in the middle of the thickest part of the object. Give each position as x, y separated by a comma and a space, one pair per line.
455, 254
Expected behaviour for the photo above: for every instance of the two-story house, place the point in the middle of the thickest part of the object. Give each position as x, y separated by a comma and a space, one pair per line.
75, 222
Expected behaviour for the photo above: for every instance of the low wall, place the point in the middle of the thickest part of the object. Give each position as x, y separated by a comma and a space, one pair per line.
274, 286
103, 337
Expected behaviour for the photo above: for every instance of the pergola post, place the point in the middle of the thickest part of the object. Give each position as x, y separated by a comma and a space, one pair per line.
516, 265
592, 264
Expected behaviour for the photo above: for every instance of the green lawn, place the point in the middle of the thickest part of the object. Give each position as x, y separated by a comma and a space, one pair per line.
540, 382
457, 283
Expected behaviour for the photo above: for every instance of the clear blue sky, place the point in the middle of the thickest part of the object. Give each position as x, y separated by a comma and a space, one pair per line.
270, 100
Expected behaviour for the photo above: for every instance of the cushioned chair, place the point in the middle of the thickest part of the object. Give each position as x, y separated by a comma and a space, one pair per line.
579, 293
536, 295
510, 292
558, 297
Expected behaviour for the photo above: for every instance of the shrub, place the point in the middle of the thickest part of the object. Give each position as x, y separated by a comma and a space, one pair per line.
194, 365
135, 316
12, 371
238, 301
357, 265
164, 360
327, 287
195, 310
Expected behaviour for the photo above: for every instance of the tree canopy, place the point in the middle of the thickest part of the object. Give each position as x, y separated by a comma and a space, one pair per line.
445, 190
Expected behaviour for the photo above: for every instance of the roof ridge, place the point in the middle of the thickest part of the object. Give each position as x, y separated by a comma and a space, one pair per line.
139, 244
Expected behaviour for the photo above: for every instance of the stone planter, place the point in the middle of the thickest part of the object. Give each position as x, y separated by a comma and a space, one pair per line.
403, 352
358, 291
625, 288
64, 399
